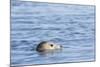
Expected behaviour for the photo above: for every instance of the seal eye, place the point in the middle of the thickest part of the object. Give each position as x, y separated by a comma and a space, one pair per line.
51, 45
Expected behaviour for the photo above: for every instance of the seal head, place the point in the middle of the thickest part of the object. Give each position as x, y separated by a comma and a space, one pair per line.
43, 46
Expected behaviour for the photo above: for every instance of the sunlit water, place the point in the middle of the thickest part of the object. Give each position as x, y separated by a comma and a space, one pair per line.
71, 26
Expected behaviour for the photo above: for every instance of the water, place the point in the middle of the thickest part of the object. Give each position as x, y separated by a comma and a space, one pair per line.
71, 26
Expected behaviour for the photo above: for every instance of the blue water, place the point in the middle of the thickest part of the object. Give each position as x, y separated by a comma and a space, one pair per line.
71, 26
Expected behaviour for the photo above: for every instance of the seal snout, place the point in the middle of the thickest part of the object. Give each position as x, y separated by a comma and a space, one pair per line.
58, 47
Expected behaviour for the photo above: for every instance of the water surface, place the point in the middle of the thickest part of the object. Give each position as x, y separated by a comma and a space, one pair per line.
71, 26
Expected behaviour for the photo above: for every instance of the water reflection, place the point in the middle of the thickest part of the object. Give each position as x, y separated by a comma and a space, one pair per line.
50, 52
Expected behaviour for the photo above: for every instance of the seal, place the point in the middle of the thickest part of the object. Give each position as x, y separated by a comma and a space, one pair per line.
45, 45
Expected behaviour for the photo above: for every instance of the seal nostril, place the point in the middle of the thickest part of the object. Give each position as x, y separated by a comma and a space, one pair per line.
60, 46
